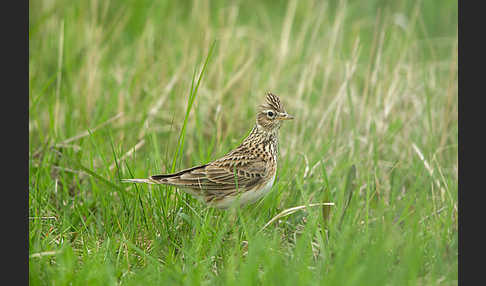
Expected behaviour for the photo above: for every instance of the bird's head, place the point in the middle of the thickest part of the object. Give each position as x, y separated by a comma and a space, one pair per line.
272, 113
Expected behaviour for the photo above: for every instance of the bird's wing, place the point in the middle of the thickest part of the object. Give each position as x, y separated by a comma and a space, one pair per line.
231, 172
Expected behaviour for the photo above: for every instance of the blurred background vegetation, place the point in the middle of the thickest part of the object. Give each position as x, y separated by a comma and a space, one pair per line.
372, 83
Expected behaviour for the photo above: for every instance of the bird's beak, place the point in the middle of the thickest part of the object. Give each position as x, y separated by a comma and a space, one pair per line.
285, 116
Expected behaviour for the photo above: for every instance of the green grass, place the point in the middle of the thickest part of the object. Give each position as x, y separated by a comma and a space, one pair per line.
118, 90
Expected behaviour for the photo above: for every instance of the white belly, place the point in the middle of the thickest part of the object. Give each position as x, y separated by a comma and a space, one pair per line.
249, 196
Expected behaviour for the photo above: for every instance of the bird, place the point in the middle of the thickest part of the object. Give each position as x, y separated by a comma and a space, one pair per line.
243, 175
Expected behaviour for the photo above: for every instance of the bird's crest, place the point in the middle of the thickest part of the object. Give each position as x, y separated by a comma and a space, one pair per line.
272, 102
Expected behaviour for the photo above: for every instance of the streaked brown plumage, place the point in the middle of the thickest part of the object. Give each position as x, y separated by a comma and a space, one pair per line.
244, 174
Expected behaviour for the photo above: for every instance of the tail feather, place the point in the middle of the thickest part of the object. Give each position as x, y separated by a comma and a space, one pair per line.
171, 179
146, 181
178, 174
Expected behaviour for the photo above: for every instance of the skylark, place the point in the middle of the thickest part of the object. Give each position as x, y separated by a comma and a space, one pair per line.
243, 175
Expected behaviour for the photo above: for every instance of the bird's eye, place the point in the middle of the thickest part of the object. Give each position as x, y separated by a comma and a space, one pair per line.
270, 114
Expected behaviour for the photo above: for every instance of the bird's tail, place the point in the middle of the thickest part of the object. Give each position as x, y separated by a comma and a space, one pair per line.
146, 181
167, 179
